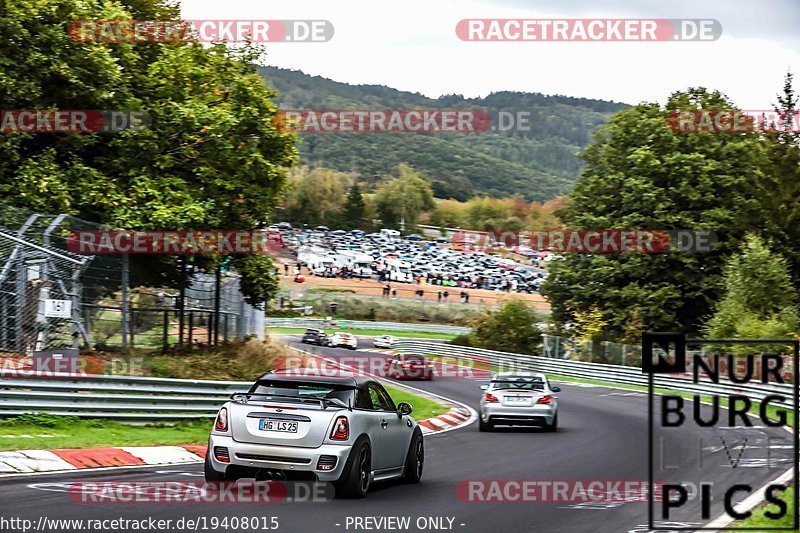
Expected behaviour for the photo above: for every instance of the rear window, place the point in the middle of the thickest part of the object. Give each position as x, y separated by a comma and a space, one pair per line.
313, 332
518, 382
301, 390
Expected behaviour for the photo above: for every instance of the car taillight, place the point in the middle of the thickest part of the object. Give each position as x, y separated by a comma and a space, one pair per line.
545, 399
490, 398
222, 420
341, 429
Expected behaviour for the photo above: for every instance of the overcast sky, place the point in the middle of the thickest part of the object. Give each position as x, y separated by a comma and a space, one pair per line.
411, 45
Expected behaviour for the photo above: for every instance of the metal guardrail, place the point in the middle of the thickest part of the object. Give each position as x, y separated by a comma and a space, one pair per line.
363, 324
617, 374
124, 398
129, 398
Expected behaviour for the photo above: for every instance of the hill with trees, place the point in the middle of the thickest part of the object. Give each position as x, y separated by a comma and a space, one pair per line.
540, 163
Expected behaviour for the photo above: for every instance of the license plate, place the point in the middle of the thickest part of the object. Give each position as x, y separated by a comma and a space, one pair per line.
277, 425
517, 399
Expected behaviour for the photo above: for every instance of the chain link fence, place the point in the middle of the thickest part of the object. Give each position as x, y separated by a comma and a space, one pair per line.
612, 353
52, 298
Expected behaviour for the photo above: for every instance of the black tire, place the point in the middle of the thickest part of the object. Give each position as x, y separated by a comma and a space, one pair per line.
553, 427
356, 477
415, 459
211, 475
484, 426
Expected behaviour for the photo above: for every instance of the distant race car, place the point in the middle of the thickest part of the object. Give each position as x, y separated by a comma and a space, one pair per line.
343, 340
518, 399
315, 336
384, 341
343, 430
409, 366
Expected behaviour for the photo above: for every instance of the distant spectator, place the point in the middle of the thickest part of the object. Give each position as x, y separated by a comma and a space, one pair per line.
439, 297
445, 294
286, 269
394, 293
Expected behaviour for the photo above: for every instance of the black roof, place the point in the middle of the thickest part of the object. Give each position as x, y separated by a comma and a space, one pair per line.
354, 381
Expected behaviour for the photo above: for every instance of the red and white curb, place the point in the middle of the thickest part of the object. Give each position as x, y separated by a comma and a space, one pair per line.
36, 461
51, 461
26, 462
452, 419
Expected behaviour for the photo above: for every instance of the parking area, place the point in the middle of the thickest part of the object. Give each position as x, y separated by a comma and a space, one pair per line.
434, 266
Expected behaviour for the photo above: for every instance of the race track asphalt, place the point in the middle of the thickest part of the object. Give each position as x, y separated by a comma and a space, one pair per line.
602, 436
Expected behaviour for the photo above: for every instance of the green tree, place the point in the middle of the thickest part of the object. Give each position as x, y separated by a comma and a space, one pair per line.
258, 283
510, 328
210, 158
781, 186
760, 300
640, 174
316, 196
355, 209
402, 199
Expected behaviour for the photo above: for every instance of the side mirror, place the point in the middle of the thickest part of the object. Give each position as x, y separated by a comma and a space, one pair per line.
404, 408
484, 387
555, 389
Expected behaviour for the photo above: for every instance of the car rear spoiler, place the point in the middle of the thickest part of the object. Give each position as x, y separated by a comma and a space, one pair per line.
322, 402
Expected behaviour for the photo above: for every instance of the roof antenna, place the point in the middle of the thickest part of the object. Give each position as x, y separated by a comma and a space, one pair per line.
350, 404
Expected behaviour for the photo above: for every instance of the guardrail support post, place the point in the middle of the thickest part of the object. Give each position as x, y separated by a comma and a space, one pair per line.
191, 329
125, 302
166, 331
217, 289
181, 301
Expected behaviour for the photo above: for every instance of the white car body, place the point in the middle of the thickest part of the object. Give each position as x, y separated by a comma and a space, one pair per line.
384, 341
343, 340
318, 427
518, 399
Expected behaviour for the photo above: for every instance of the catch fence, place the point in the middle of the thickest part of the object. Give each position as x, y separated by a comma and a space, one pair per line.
52, 298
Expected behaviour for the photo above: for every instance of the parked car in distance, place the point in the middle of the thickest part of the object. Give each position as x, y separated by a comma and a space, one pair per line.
384, 341
409, 366
343, 340
342, 430
315, 336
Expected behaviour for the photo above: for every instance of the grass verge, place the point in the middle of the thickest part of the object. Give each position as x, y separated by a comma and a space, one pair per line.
759, 520
423, 407
37, 431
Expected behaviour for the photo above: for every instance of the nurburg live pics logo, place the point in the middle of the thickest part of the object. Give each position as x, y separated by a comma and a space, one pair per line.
767, 370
